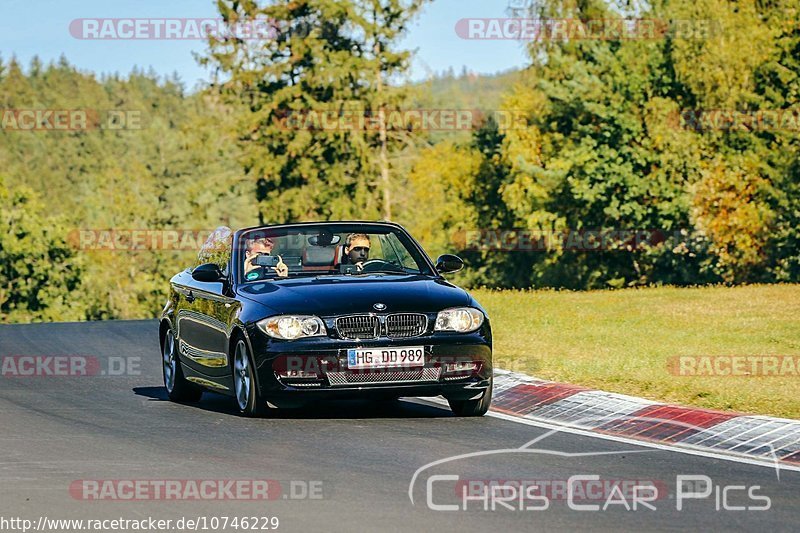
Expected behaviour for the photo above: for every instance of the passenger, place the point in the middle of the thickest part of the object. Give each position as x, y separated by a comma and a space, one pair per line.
262, 246
357, 249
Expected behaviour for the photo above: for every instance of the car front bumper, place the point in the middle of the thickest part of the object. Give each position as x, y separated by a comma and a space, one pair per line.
326, 357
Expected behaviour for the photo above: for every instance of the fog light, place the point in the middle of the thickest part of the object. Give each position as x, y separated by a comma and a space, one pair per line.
461, 367
298, 374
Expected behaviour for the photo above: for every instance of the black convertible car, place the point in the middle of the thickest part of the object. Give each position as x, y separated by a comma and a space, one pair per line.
280, 316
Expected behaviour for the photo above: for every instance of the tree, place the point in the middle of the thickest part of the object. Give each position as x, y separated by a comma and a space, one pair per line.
329, 62
38, 269
605, 146
174, 170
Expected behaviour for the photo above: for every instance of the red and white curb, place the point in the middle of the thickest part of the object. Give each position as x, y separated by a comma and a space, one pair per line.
760, 438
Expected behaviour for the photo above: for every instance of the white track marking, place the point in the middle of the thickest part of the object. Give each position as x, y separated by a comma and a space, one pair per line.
677, 447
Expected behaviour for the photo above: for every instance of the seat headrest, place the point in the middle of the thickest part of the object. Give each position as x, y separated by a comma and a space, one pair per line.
320, 255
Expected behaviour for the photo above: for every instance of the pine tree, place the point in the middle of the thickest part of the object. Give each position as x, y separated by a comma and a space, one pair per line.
304, 92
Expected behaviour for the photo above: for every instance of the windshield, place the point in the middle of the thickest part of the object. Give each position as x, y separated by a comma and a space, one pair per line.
328, 250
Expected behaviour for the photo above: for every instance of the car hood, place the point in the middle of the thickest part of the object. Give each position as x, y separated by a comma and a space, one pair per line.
336, 295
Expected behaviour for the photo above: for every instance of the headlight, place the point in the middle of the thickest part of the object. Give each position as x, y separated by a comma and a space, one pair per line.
290, 327
460, 319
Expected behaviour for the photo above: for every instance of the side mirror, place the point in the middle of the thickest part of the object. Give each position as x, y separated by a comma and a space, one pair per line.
208, 273
448, 263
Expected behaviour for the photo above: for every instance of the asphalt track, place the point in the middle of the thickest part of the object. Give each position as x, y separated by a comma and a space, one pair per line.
362, 457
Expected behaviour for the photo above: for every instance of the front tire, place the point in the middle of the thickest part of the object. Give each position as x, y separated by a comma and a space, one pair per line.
248, 398
472, 407
178, 388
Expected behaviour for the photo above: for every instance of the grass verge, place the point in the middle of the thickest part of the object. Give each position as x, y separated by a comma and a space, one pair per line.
625, 341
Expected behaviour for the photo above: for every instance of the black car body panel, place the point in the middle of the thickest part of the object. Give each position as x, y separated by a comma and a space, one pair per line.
207, 317
401, 293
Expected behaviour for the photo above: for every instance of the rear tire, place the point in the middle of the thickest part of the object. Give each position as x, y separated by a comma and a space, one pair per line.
178, 388
472, 407
248, 398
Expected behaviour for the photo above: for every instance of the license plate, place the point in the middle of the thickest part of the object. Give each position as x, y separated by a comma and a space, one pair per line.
407, 356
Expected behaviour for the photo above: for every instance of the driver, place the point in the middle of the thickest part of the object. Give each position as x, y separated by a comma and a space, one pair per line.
262, 246
357, 249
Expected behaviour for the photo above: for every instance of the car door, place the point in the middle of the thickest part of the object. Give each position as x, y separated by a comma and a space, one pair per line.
204, 324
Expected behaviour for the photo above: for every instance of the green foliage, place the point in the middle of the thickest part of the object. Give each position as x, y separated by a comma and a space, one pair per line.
327, 58
176, 171
625, 341
604, 149
442, 180
38, 269
602, 146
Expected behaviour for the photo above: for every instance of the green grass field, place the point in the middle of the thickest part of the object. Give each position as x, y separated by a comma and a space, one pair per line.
622, 341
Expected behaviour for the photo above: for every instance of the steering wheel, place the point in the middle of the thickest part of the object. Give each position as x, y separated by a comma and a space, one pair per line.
376, 265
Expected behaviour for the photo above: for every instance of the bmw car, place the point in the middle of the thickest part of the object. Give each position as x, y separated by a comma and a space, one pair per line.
286, 315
